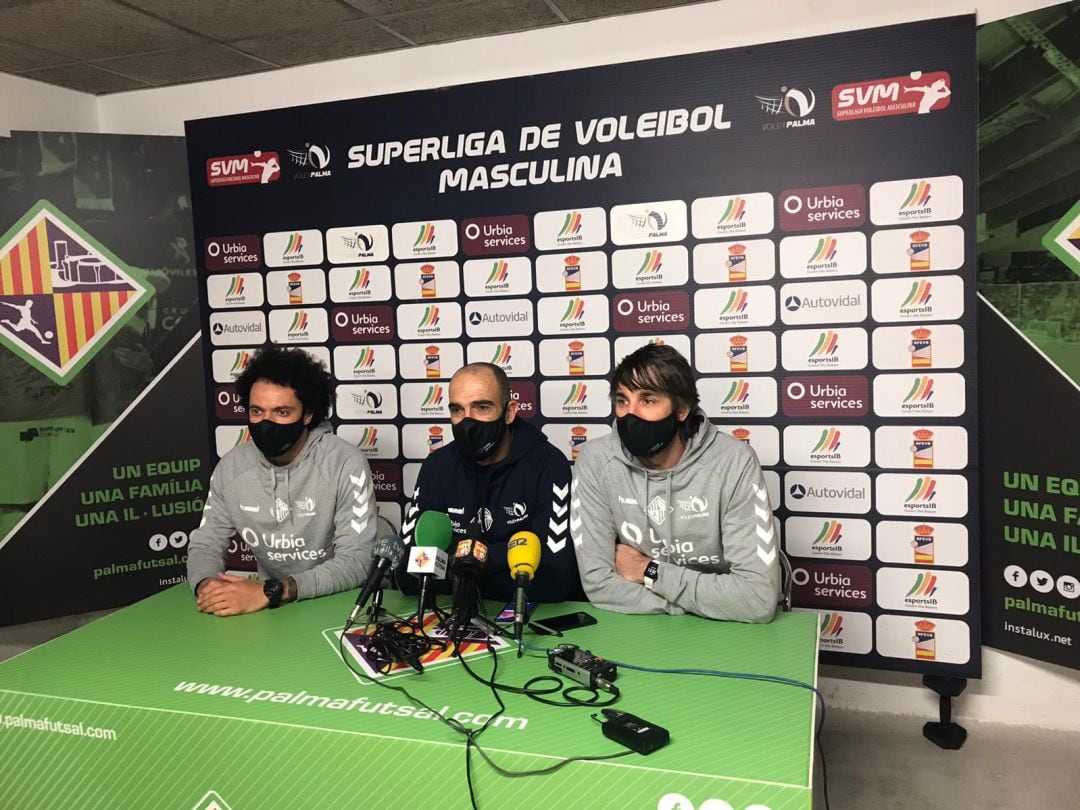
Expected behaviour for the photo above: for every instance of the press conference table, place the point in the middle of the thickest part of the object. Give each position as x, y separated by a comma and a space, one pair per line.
131, 717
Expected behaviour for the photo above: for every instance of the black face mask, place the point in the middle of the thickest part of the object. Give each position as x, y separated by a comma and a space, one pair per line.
644, 438
476, 440
275, 440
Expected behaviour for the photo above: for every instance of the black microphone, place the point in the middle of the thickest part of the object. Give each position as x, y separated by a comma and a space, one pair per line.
470, 559
387, 553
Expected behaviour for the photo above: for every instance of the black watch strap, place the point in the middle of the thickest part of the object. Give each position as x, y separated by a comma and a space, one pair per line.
273, 590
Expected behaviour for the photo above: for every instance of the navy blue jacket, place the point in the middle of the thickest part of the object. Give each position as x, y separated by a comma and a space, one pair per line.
529, 490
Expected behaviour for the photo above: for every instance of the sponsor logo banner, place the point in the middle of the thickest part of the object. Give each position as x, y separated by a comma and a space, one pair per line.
368, 401
358, 244
571, 437
814, 584
765, 439
665, 266
917, 494
628, 345
419, 440
939, 447
734, 262
512, 317
571, 272
226, 437
571, 315
738, 397
818, 349
301, 325
734, 307
735, 352
828, 537
293, 248
823, 302
237, 328
365, 362
830, 254
946, 641
291, 288
374, 441
515, 357
362, 324
822, 208
425, 400
919, 250
922, 543
233, 253
919, 395
921, 199
234, 291
571, 229
827, 445
494, 277
234, 170
359, 284
937, 298
649, 222
574, 357
430, 361
437, 320
918, 347
492, 236
923, 590
917, 93
843, 492
426, 239
585, 399
843, 631
523, 392
227, 364
732, 215
227, 404
427, 280
386, 479
828, 396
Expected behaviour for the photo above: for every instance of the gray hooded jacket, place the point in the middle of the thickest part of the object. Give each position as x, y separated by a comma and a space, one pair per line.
707, 522
313, 519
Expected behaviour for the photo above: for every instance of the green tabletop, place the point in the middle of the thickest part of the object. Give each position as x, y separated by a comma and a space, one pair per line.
159, 706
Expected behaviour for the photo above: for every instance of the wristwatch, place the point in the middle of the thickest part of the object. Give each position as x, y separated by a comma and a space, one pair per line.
652, 571
273, 590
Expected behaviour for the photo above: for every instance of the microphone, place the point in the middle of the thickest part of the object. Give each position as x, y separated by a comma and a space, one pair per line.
470, 559
387, 553
428, 560
523, 557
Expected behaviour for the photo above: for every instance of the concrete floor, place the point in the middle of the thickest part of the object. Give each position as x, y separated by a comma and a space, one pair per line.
875, 761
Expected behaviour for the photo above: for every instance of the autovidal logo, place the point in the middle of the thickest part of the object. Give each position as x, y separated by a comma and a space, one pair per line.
575, 399
796, 104
918, 299
827, 447
824, 256
921, 594
235, 293
733, 215
313, 160
502, 356
571, 227
425, 238
429, 321
917, 202
918, 398
233, 170
361, 281
825, 350
921, 497
830, 535
366, 359
497, 279
734, 310
650, 265
917, 93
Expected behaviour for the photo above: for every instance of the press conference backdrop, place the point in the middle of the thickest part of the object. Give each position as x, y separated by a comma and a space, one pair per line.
796, 218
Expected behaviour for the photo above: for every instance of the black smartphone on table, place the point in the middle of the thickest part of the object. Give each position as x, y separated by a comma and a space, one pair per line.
560, 624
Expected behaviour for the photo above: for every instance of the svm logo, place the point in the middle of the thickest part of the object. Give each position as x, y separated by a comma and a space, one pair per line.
257, 167
677, 801
917, 93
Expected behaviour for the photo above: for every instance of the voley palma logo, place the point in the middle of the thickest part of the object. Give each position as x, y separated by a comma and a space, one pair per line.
794, 103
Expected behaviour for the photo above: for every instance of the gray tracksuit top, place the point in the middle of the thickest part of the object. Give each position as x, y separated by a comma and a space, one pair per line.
707, 522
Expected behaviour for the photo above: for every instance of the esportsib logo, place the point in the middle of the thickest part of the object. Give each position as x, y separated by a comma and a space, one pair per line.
426, 235
572, 225
734, 212
577, 394
738, 393
923, 491
832, 625
831, 533
925, 585
829, 442
736, 303
651, 264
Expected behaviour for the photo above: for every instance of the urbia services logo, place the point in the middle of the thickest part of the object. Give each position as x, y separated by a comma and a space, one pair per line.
917, 93
62, 294
233, 170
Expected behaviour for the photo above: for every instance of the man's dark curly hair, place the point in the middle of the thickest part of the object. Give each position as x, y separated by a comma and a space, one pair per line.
295, 369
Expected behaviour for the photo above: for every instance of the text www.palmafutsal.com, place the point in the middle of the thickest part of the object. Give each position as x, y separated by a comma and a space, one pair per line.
386, 708
46, 724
